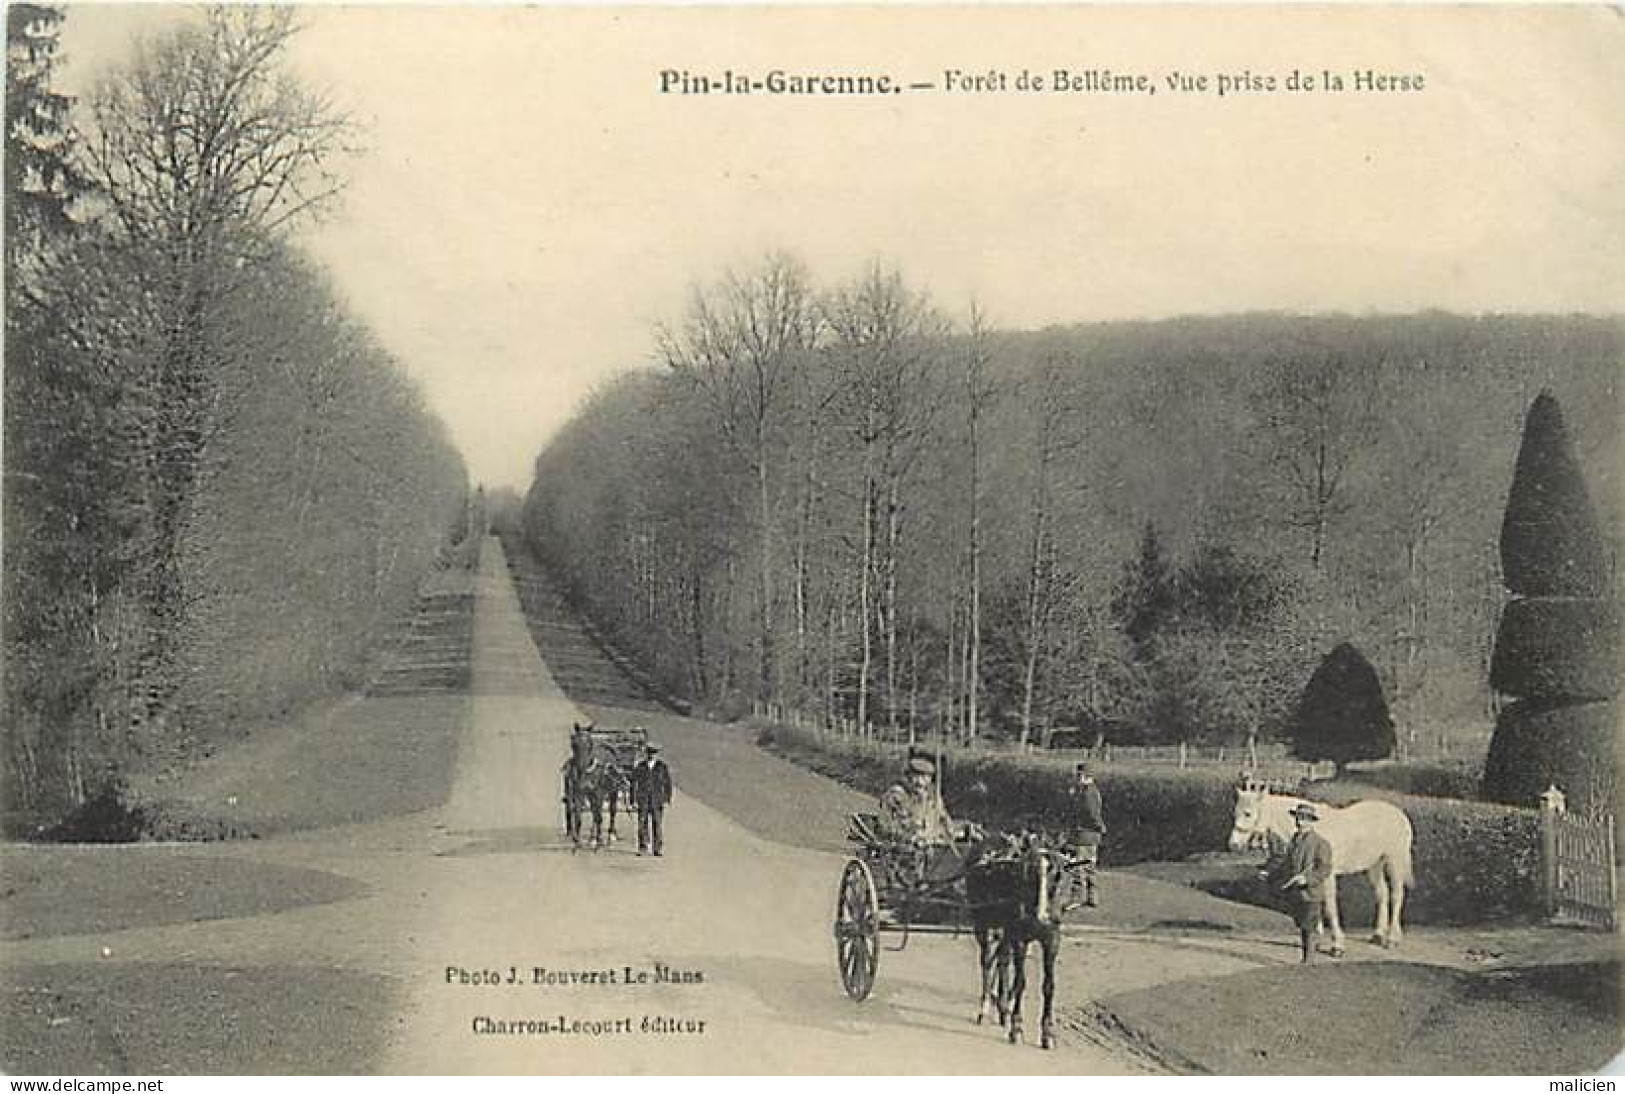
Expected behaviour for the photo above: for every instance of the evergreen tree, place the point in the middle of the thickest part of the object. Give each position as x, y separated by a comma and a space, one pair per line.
40, 179
1145, 600
61, 434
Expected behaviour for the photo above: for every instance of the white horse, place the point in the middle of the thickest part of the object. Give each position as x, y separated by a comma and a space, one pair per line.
1370, 837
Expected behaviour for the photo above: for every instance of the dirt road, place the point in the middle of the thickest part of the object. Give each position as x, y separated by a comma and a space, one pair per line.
341, 948
748, 919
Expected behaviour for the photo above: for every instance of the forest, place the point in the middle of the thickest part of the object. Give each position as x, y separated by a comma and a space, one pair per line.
846, 500
219, 486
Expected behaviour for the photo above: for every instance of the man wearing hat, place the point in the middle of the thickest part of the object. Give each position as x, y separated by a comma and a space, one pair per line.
1306, 866
1085, 826
912, 810
651, 793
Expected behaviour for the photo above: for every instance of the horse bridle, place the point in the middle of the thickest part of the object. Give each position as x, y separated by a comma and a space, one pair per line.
1258, 834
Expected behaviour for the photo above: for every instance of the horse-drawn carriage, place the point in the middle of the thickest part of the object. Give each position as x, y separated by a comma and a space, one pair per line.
1006, 891
596, 778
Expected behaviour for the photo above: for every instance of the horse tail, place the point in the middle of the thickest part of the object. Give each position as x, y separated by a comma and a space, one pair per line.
1404, 868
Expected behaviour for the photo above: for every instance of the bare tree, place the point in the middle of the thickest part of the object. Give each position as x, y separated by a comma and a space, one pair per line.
1056, 418
203, 151
889, 344
980, 392
204, 147
1316, 418
742, 345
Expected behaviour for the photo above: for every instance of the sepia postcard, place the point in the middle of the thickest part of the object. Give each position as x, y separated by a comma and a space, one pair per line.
808, 540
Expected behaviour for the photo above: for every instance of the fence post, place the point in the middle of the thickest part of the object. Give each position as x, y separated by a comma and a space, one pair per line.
1551, 808
1182, 755
1613, 873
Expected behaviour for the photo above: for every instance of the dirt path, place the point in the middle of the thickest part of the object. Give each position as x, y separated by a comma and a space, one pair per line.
750, 918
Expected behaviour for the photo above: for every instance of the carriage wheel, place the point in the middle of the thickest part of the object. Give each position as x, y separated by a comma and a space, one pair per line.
857, 930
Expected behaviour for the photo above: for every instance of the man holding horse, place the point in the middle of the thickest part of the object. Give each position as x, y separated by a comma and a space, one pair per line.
1307, 866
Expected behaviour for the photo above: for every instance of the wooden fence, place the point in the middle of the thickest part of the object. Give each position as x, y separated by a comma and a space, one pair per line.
1577, 853
1269, 760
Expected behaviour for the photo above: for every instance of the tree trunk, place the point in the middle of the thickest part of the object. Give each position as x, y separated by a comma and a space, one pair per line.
973, 629
830, 648
172, 469
702, 685
973, 636
1035, 581
892, 534
766, 684
966, 708
803, 533
913, 686
863, 601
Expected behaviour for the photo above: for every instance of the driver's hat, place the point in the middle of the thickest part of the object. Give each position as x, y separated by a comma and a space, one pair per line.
922, 764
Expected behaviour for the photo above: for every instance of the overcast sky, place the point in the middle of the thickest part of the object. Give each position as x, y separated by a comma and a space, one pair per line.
529, 205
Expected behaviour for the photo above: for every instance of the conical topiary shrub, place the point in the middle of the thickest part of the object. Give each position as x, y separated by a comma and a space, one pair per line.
1551, 544
1556, 648
1342, 715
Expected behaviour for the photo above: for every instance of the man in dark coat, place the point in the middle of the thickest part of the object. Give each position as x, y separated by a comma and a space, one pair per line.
651, 793
1085, 827
1306, 867
912, 809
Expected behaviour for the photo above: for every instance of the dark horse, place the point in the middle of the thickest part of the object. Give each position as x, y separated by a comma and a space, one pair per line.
1017, 898
616, 791
590, 782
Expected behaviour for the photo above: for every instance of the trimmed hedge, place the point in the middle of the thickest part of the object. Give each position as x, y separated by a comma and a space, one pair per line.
1456, 779
1557, 649
1570, 745
1475, 862
1342, 714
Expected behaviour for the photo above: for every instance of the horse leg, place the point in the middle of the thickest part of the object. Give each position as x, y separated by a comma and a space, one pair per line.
597, 821
1051, 946
987, 954
1396, 883
1018, 988
1004, 979
1378, 875
1333, 920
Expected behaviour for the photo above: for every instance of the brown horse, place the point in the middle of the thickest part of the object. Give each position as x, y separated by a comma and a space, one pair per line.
1017, 899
